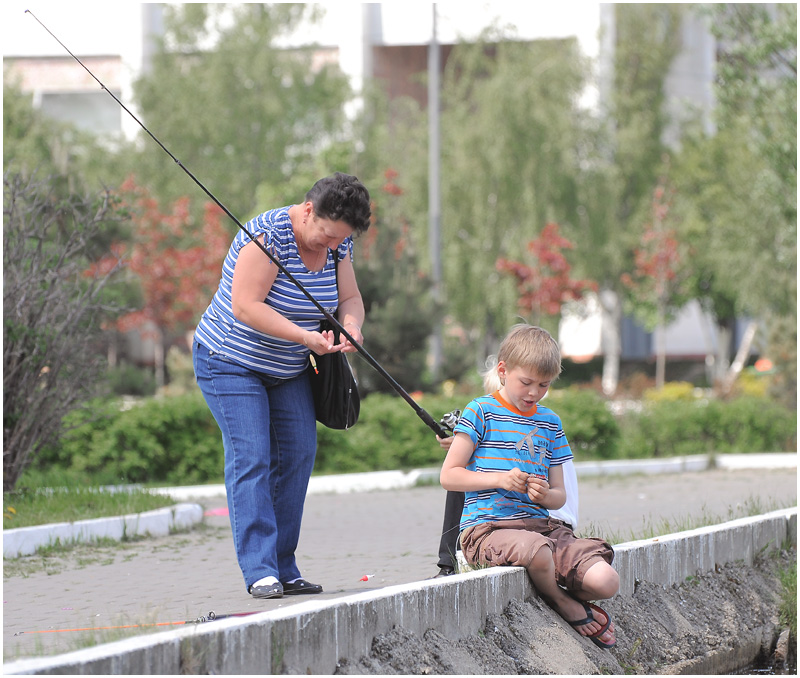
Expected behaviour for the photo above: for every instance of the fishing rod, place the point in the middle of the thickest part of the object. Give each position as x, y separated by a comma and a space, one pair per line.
421, 413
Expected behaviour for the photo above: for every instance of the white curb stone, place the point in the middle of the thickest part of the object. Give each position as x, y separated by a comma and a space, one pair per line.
23, 541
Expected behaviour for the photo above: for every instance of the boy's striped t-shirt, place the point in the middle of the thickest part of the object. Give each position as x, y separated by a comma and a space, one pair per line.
506, 438
220, 332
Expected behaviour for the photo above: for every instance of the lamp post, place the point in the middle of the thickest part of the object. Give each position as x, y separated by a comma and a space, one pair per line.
434, 210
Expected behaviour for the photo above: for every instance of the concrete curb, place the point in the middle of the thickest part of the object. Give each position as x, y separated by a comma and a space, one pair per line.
395, 480
23, 541
672, 558
700, 462
305, 638
337, 484
312, 637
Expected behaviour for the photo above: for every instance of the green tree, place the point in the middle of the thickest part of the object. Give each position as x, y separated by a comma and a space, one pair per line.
241, 115
400, 312
510, 131
36, 145
743, 178
392, 261
621, 159
54, 306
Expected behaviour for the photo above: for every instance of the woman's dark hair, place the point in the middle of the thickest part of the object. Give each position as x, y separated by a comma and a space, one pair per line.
341, 197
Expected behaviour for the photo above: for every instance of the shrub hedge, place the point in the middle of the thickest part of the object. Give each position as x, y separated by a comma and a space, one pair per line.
170, 440
176, 441
744, 424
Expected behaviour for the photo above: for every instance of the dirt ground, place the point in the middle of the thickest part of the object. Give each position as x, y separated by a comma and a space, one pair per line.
712, 624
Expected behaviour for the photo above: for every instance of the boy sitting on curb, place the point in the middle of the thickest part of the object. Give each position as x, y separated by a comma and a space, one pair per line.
507, 458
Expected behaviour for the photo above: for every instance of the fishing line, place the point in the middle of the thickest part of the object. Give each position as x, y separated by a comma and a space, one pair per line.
211, 616
421, 413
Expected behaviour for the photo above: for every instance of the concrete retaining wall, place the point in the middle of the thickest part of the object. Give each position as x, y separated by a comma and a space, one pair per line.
311, 637
305, 638
670, 559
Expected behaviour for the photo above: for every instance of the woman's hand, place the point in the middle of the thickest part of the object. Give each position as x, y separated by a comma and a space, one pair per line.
354, 331
322, 342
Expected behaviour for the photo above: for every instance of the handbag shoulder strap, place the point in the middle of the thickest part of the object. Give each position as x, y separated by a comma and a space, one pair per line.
335, 254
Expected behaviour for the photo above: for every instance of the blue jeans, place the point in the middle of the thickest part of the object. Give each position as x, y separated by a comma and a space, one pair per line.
270, 437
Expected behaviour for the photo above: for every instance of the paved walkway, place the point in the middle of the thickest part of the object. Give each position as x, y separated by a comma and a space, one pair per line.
389, 536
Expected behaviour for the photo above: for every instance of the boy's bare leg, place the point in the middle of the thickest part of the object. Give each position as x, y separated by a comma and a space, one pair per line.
542, 572
600, 582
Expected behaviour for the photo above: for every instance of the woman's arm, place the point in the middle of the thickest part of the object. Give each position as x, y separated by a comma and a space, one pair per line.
351, 305
253, 277
455, 476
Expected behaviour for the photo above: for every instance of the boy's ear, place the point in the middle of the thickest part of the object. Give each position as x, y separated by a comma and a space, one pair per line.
501, 371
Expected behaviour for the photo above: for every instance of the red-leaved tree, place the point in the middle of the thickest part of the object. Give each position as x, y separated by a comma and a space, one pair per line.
546, 284
656, 283
176, 263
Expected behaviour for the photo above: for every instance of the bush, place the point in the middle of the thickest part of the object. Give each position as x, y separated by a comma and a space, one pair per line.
671, 391
590, 427
745, 424
175, 440
751, 424
751, 383
132, 380
55, 300
389, 436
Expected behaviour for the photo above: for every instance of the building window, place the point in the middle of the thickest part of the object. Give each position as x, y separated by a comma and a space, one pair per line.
90, 111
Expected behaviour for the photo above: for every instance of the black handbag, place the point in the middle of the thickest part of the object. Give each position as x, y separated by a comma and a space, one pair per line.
336, 399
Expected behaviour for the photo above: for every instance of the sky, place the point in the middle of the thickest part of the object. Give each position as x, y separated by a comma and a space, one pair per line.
102, 27
86, 27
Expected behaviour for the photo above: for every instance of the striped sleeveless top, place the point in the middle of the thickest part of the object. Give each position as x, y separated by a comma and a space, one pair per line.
219, 331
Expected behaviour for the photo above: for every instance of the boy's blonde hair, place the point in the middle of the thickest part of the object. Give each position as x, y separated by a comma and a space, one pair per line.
528, 347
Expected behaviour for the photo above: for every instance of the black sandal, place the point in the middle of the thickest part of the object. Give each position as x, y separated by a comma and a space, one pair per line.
267, 591
594, 637
300, 586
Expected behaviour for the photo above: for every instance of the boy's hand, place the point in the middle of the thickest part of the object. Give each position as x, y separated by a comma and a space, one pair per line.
537, 488
445, 443
514, 480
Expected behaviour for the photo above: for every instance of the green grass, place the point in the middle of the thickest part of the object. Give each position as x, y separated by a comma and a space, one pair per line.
27, 507
649, 529
788, 605
60, 557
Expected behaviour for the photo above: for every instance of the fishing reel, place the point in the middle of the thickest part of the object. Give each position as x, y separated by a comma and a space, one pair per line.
450, 420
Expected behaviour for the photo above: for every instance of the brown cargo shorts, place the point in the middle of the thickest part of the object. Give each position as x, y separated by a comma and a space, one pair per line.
516, 542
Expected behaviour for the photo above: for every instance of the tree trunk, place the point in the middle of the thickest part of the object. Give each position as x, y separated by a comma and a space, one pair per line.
158, 359
113, 354
661, 346
722, 361
740, 359
611, 343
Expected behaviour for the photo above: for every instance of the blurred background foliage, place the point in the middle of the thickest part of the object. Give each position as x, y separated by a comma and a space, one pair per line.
175, 441
519, 151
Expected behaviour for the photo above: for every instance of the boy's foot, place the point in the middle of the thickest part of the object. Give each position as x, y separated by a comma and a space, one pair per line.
605, 636
443, 572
